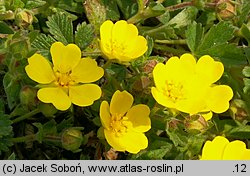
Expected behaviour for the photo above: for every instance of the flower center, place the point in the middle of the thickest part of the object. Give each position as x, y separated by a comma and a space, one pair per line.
174, 90
119, 124
63, 79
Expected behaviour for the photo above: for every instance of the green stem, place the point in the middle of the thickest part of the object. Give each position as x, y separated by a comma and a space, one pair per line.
140, 5
26, 116
169, 49
172, 42
107, 64
179, 6
24, 138
95, 53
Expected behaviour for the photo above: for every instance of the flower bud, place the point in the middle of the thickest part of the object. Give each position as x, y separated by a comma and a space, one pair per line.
72, 139
225, 9
48, 110
195, 124
28, 96
23, 18
238, 110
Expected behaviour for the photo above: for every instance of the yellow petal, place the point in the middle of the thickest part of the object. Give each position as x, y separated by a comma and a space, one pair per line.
159, 74
121, 102
133, 141
162, 99
188, 63
235, 150
139, 116
84, 95
105, 114
246, 155
136, 47
114, 140
120, 31
65, 58
105, 35
219, 97
87, 71
214, 150
56, 96
127, 141
207, 116
209, 69
39, 69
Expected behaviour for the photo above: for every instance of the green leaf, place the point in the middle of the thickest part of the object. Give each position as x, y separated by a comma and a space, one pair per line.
95, 12
194, 34
157, 150
246, 71
12, 156
31, 4
245, 32
111, 10
84, 35
150, 46
40, 134
128, 7
244, 11
5, 126
61, 27
12, 89
43, 43
5, 133
184, 18
219, 34
242, 132
5, 29
229, 54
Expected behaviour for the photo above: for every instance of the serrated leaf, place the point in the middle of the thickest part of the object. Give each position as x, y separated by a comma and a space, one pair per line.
43, 43
218, 34
31, 4
184, 18
12, 89
5, 133
5, 29
229, 54
246, 71
84, 35
61, 27
5, 126
194, 34
95, 12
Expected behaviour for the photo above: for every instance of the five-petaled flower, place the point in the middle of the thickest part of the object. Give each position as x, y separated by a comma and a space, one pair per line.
221, 149
121, 41
188, 86
124, 125
68, 80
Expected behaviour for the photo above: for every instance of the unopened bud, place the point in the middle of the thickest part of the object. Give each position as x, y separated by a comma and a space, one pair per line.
28, 96
225, 9
24, 18
48, 110
195, 124
72, 139
238, 110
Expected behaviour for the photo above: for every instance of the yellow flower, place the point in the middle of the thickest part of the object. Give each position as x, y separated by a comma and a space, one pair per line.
221, 149
121, 41
68, 79
124, 125
188, 86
